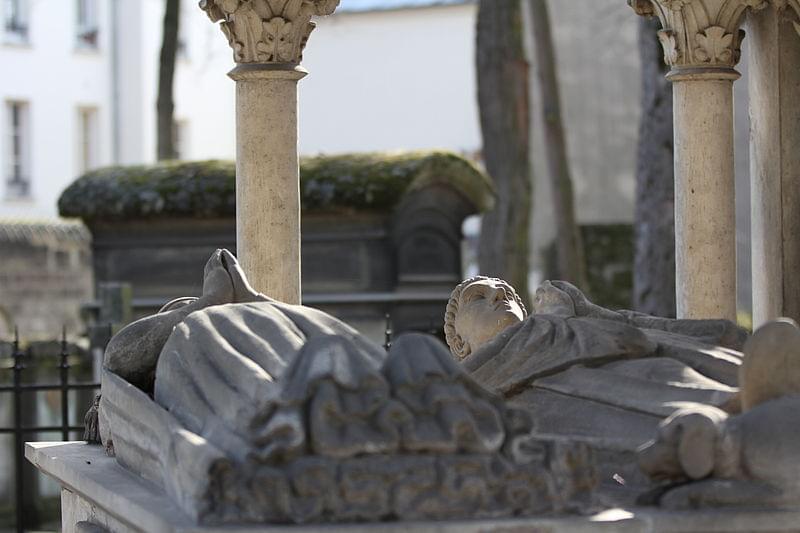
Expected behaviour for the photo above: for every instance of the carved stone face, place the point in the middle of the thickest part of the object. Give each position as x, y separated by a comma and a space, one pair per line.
486, 308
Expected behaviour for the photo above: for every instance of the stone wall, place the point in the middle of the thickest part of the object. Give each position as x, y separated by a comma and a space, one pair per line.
45, 276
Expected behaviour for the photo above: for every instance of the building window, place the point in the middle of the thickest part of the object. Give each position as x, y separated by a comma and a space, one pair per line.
87, 25
87, 139
18, 181
15, 21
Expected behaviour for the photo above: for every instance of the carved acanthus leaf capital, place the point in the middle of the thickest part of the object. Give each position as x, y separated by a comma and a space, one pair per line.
267, 31
700, 33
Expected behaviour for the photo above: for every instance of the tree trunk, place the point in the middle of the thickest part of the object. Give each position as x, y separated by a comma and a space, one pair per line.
165, 104
654, 268
571, 263
503, 101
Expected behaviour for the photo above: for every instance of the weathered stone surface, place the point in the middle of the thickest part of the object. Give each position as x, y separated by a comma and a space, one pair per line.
269, 412
750, 459
267, 31
371, 182
45, 276
88, 527
702, 41
133, 352
563, 298
105, 494
380, 231
586, 373
773, 81
577, 349
91, 429
770, 370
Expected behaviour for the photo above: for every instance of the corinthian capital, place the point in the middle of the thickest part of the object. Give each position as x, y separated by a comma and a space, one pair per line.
267, 31
700, 34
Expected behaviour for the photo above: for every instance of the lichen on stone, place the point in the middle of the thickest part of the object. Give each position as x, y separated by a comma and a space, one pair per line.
203, 189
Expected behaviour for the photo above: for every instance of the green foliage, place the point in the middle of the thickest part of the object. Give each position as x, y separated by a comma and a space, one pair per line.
353, 182
609, 264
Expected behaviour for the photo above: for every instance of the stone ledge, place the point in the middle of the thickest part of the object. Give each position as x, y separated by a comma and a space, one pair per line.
111, 490
116, 496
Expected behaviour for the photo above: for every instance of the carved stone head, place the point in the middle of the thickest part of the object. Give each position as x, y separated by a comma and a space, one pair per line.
479, 308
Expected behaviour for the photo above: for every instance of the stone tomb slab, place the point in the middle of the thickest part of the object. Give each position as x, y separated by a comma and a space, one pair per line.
97, 491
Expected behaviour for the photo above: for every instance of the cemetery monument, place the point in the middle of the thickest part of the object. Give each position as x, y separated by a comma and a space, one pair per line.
240, 408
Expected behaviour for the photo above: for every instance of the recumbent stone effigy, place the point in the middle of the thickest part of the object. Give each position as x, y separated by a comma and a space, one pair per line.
269, 412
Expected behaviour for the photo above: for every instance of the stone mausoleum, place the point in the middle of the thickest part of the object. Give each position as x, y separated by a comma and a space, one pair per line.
381, 232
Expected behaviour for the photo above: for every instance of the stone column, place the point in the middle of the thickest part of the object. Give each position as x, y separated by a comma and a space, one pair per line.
774, 85
701, 41
267, 38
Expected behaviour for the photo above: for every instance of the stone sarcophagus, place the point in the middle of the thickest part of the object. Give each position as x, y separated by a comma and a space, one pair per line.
241, 409
381, 233
234, 410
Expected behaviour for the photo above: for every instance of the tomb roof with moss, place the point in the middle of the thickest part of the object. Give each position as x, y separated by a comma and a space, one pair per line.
349, 182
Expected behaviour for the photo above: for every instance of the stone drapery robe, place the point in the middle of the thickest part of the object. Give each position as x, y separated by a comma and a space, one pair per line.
605, 382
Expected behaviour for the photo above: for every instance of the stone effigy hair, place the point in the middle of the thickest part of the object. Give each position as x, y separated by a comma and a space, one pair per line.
457, 345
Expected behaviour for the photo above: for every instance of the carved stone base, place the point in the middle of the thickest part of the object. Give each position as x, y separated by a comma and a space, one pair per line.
99, 493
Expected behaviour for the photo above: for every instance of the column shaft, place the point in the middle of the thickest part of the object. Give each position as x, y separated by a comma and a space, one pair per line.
267, 179
774, 84
705, 240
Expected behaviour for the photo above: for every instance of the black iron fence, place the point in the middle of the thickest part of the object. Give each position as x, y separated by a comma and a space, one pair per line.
26, 367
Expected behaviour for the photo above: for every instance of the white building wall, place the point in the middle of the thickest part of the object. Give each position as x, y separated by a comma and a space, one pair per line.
205, 96
405, 79
54, 77
600, 88
394, 80
127, 95
380, 80
391, 80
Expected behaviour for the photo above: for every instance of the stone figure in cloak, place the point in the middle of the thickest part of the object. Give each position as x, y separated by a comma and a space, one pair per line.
245, 409
602, 377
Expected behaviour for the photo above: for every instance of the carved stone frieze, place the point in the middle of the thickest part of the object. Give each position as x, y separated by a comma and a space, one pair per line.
700, 34
267, 31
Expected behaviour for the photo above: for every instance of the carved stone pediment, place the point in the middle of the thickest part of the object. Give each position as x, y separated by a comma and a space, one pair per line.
700, 33
267, 31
